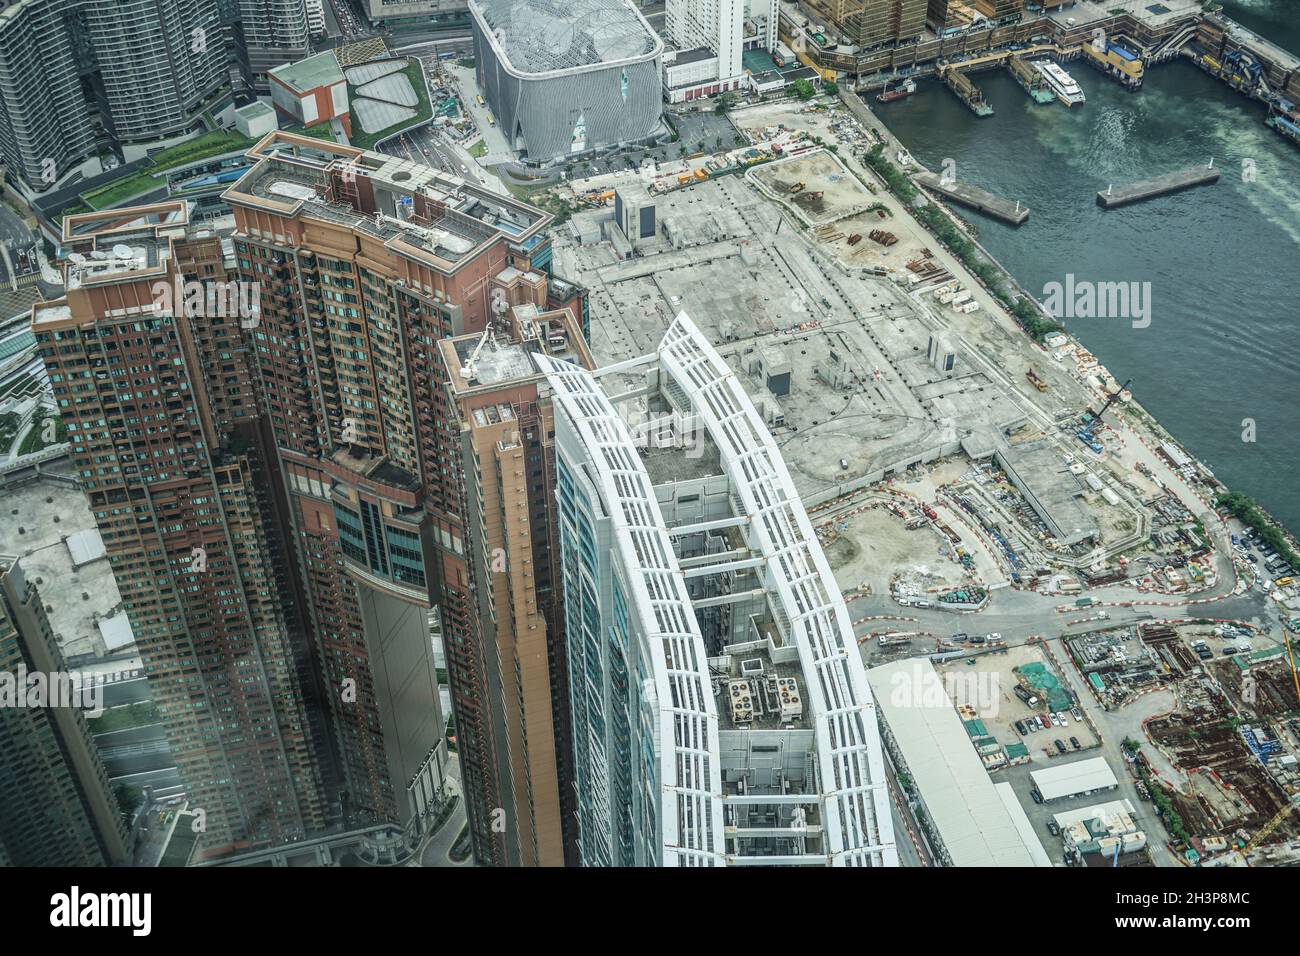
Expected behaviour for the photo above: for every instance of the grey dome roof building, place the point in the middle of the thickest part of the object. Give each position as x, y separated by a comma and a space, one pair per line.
568, 77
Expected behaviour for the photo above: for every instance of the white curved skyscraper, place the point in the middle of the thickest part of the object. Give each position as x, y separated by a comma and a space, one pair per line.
721, 713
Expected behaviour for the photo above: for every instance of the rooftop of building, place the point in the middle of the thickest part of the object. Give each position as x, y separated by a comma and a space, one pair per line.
697, 55
296, 175
377, 468
546, 36
106, 247
49, 527
1081, 776
756, 693
978, 827
310, 73
255, 109
503, 353
1039, 470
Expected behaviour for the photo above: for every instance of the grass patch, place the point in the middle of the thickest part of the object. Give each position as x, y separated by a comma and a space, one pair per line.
123, 718
543, 198
34, 440
9, 423
478, 149
319, 131
146, 179
423, 111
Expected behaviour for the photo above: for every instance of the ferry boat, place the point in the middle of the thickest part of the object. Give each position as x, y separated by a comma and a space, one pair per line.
891, 93
1060, 82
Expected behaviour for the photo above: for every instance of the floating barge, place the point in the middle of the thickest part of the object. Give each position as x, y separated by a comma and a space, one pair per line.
1113, 197
1033, 82
967, 92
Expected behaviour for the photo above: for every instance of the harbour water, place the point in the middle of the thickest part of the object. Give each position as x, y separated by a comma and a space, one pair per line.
1222, 261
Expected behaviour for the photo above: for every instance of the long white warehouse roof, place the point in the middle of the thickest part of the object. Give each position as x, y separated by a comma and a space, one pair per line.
1082, 776
978, 827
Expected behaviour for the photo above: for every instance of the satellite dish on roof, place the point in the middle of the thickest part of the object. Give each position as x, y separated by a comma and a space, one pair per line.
76, 258
123, 251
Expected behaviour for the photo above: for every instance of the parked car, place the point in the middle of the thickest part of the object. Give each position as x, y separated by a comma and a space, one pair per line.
1060, 747
1038, 797
1065, 721
1074, 742
1053, 828
1044, 722
1078, 714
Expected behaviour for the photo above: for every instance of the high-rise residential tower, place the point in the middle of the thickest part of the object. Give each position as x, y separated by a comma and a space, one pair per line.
367, 263
56, 807
721, 713
273, 32
77, 76
507, 495
45, 123
158, 64
177, 479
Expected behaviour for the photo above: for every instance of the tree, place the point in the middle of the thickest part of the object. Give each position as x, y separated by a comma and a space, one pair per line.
725, 102
831, 87
803, 89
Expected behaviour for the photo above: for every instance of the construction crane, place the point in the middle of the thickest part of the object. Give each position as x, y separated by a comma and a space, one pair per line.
1087, 434
1111, 401
469, 369
1266, 829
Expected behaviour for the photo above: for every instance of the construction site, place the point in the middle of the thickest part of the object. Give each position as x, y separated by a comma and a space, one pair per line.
1235, 778
870, 353
1218, 754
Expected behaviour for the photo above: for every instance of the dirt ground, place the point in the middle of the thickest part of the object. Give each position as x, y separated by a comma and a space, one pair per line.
866, 548
820, 172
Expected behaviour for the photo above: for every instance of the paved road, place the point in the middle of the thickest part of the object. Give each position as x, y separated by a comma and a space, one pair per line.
13, 229
437, 848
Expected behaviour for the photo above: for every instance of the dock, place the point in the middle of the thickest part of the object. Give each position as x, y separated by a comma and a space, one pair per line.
1115, 196
967, 92
1014, 213
1030, 80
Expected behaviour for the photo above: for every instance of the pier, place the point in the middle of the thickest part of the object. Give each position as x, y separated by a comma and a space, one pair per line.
1113, 197
1014, 213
